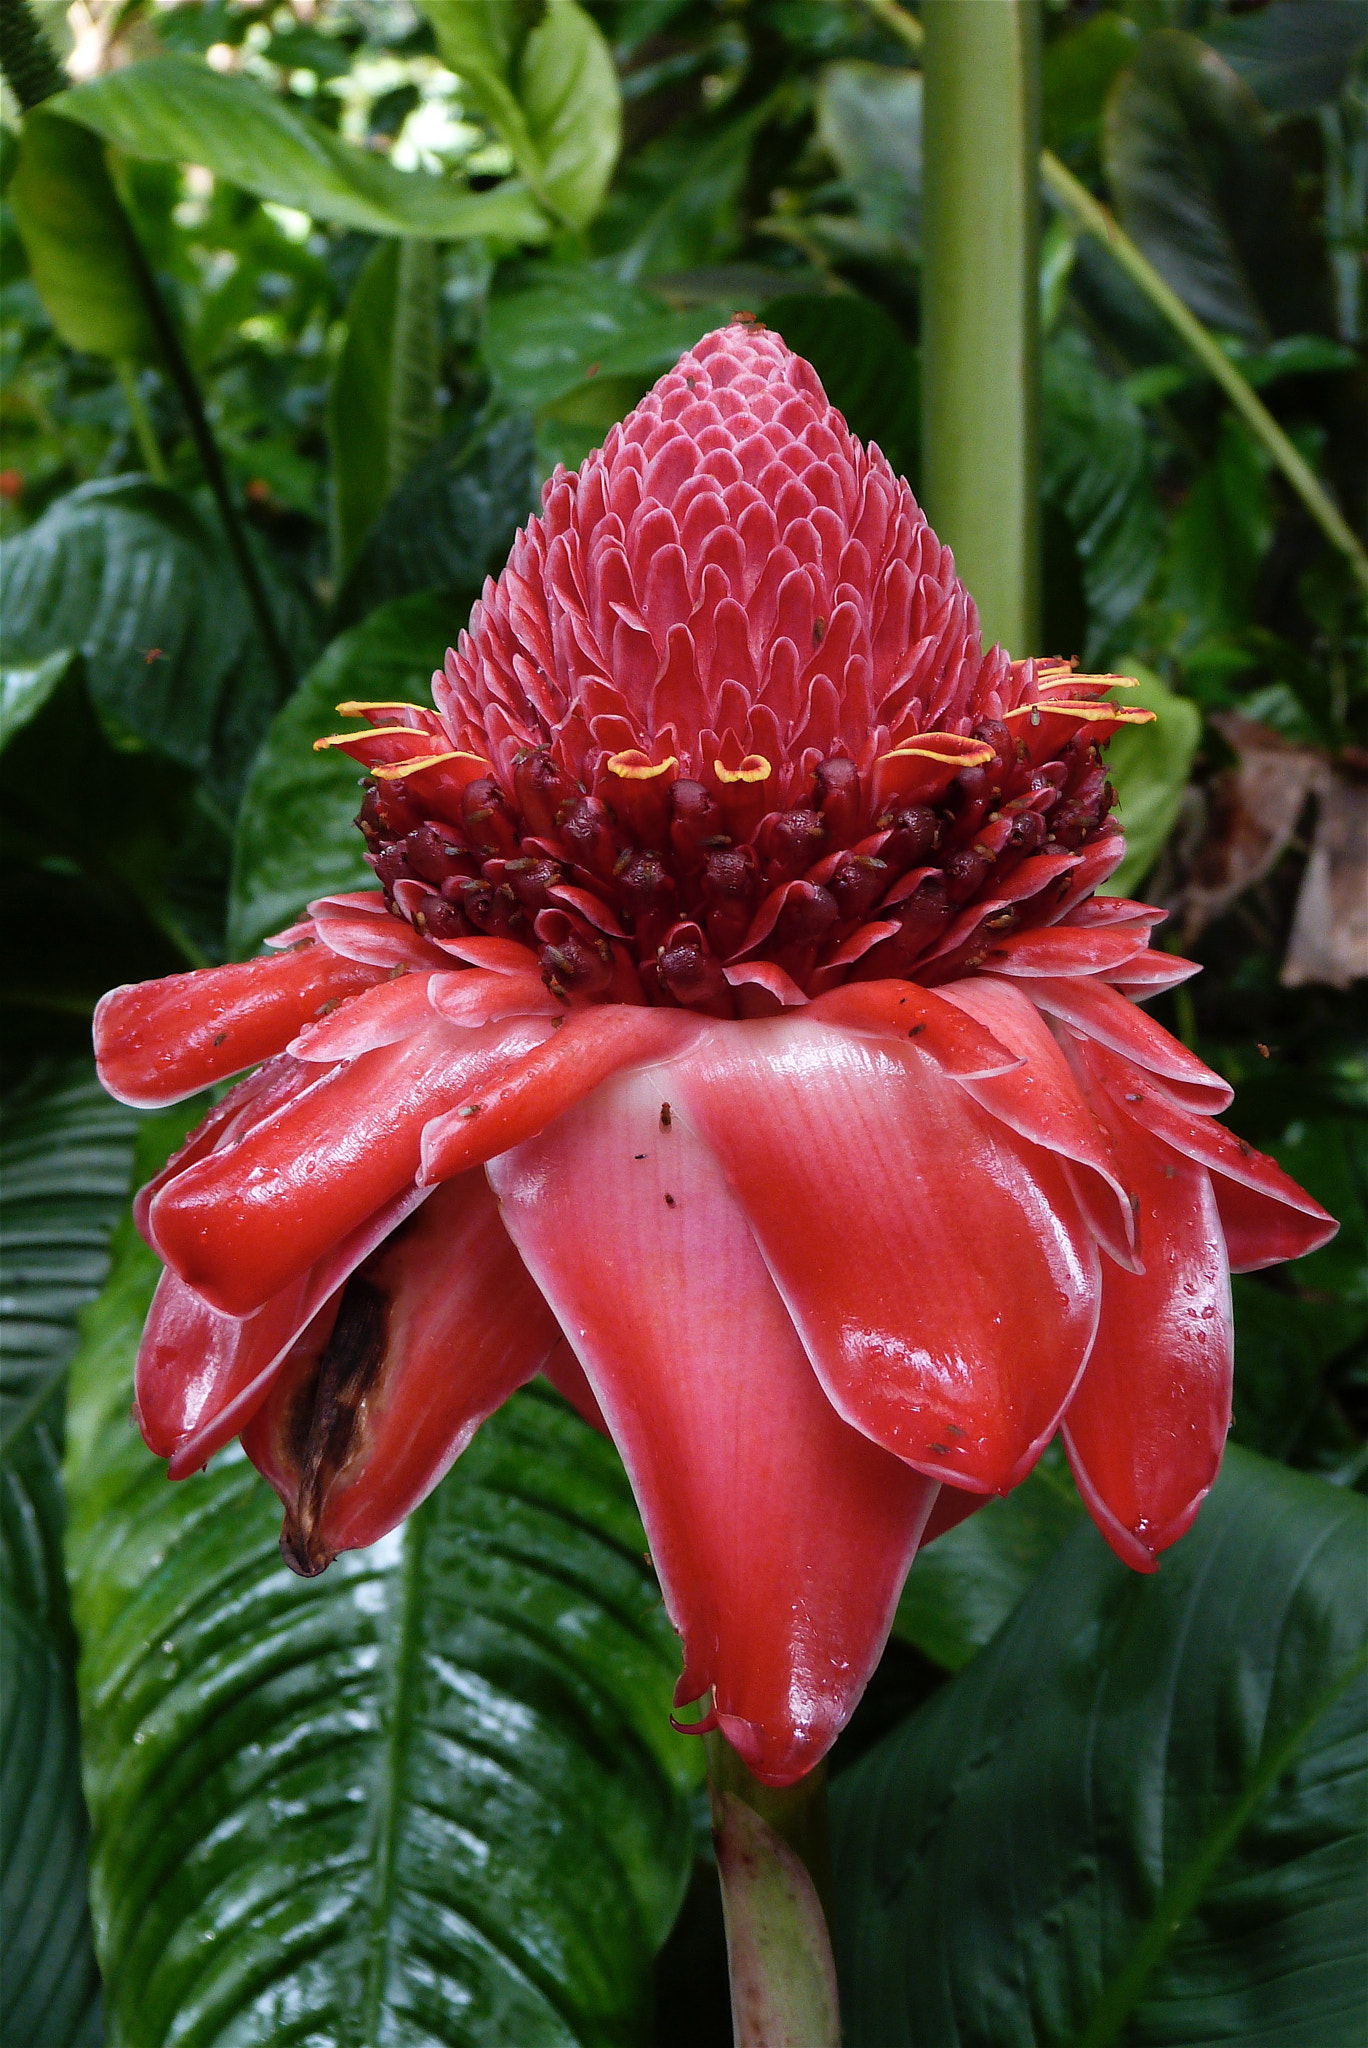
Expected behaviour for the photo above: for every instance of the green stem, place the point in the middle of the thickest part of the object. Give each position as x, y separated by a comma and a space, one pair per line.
141, 422
981, 303
1089, 215
33, 75
774, 1860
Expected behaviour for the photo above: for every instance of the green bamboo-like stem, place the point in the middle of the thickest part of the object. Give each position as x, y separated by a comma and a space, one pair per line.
774, 1863
1092, 218
980, 303
140, 419
34, 75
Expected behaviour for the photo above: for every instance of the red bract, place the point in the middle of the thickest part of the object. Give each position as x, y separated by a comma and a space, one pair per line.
735, 1035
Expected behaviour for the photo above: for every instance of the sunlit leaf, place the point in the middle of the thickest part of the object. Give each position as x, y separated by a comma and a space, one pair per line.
174, 110
1199, 186
296, 838
76, 237
545, 78
431, 1796
1148, 766
1138, 1814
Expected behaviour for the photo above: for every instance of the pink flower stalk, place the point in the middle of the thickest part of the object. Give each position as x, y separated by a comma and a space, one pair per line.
735, 1036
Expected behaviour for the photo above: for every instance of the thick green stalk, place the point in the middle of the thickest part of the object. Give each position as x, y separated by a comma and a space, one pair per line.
34, 75
980, 303
773, 1859
1089, 215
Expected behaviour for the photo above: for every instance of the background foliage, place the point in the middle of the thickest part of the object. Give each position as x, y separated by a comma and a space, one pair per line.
408, 258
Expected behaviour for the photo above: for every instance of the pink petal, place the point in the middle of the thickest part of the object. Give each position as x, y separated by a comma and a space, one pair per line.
383, 1015
1040, 1100
1266, 1217
1146, 1429
379, 941
903, 1011
201, 1375
1098, 1012
479, 998
936, 1266
781, 1537
159, 1041
1065, 949
587, 1047
239, 1225
433, 1334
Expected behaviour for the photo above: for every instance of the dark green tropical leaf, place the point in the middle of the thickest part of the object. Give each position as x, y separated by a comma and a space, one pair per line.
49, 1986
673, 206
545, 78
134, 575
382, 403
1295, 54
1286, 1349
1149, 767
296, 839
1200, 187
1218, 541
962, 1587
869, 371
430, 1797
1328, 1155
76, 237
174, 110
1139, 1813
66, 1157
1097, 471
1077, 70
451, 522
24, 691
869, 121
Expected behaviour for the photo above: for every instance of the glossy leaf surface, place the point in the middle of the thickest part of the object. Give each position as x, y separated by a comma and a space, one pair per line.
296, 838
1137, 1813
174, 110
432, 1796
382, 403
65, 1161
75, 234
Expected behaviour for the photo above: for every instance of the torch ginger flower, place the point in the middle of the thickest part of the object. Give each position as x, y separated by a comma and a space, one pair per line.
736, 1036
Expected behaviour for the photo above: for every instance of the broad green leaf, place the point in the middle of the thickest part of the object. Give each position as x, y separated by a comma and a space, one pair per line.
1076, 70
174, 110
869, 121
451, 521
542, 73
49, 1983
118, 862
1149, 766
66, 1156
1218, 541
962, 1587
673, 205
382, 403
76, 237
24, 691
296, 839
575, 326
136, 577
869, 371
1096, 470
431, 1796
1138, 1814
1286, 1345
1203, 191
1295, 54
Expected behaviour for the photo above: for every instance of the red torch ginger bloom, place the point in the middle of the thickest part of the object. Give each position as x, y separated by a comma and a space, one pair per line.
734, 1035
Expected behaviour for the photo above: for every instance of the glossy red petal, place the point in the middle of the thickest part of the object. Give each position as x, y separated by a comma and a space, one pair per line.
1040, 1100
936, 1265
585, 1049
1064, 949
201, 1375
780, 1535
903, 1012
242, 1223
249, 1102
479, 998
429, 1337
1100, 1013
384, 1015
159, 1041
1270, 1217
1147, 1427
